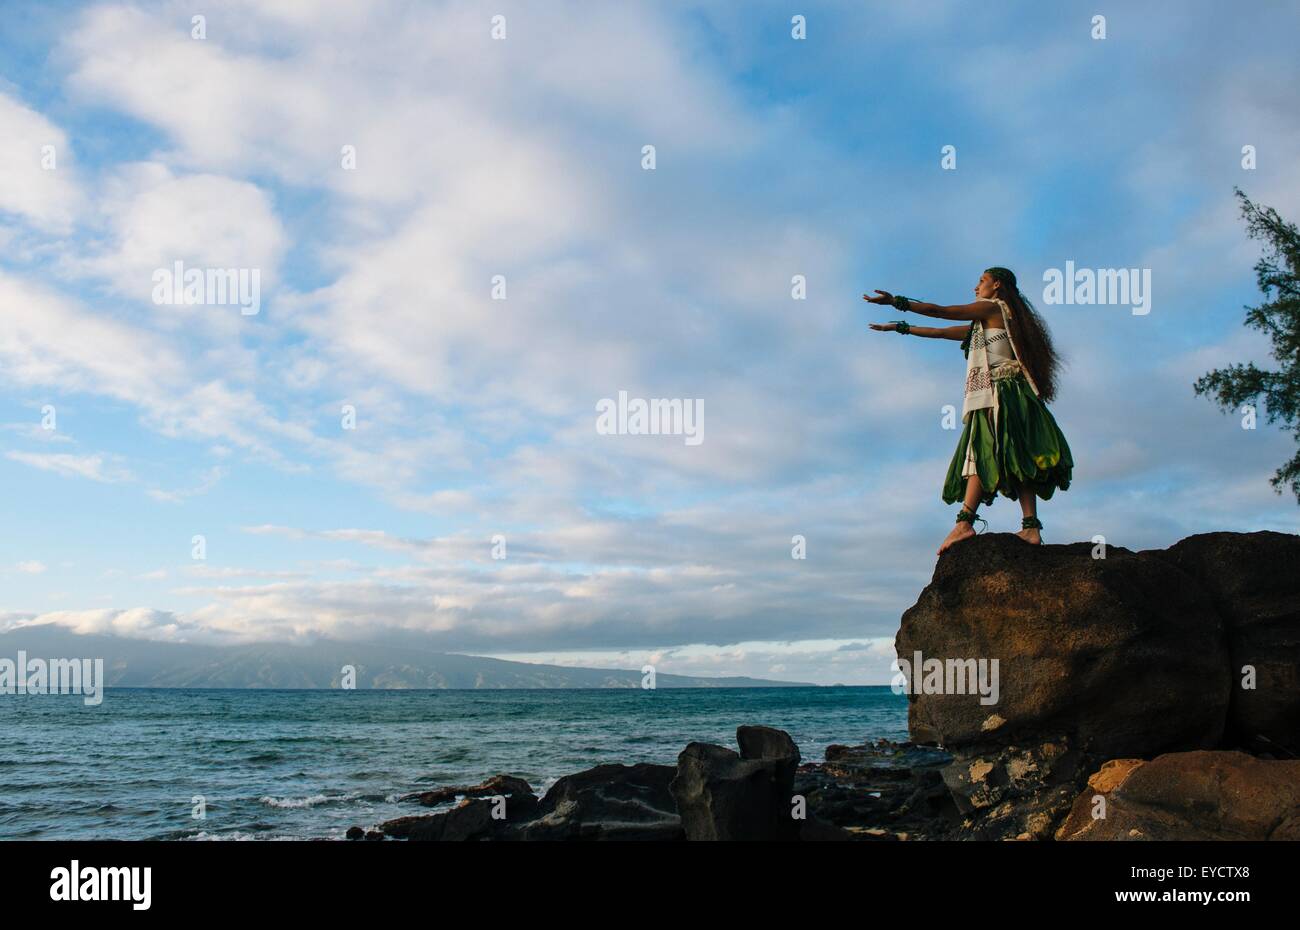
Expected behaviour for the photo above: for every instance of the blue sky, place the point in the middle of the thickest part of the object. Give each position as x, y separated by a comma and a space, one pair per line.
522, 158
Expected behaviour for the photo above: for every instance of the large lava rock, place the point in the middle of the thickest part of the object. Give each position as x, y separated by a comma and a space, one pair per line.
1254, 581
1189, 796
608, 802
1121, 655
724, 795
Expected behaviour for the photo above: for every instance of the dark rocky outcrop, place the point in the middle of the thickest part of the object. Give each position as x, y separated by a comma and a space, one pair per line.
608, 802
883, 791
1130, 655
502, 785
724, 795
1018, 792
1121, 709
1071, 634
1253, 580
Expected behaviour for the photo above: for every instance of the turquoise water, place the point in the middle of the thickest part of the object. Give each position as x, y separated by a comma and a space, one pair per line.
301, 764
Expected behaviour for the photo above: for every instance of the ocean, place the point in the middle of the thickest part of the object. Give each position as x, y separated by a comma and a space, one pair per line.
267, 765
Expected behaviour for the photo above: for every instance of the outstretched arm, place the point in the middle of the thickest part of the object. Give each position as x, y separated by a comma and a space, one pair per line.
980, 310
929, 332
976, 311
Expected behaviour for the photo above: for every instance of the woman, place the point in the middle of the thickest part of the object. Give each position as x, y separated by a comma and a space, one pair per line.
1010, 442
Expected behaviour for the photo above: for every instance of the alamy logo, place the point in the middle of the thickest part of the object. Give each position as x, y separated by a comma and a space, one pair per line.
53, 676
1118, 286
213, 287
654, 417
947, 676
105, 883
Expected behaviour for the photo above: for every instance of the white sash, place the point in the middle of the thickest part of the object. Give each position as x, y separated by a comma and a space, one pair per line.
979, 383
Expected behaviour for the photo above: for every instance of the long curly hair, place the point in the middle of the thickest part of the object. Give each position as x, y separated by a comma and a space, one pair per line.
1034, 345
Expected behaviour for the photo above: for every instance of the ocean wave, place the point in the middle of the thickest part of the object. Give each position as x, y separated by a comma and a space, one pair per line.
312, 801
238, 837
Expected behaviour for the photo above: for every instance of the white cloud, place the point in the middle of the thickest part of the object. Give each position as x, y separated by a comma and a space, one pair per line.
95, 467
49, 340
521, 158
46, 197
136, 623
155, 219
208, 481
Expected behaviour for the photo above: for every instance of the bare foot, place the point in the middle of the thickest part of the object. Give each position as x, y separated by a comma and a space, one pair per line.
1030, 535
961, 531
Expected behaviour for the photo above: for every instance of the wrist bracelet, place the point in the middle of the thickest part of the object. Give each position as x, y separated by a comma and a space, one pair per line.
902, 326
901, 302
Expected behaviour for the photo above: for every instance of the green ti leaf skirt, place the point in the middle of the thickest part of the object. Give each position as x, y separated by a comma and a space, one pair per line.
1025, 447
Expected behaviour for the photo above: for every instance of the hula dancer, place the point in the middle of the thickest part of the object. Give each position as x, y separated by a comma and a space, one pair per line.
1010, 443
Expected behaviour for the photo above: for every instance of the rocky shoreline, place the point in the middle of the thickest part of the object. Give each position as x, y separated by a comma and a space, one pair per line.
1149, 695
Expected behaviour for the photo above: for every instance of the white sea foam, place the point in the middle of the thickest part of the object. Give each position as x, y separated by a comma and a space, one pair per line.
302, 802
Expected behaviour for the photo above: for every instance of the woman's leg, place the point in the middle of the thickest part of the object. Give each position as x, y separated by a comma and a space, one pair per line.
965, 528
1029, 507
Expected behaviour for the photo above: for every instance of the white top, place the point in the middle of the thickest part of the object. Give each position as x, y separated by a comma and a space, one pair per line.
999, 347
1006, 316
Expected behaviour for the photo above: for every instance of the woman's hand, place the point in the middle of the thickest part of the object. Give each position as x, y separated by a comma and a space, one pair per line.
884, 298
884, 327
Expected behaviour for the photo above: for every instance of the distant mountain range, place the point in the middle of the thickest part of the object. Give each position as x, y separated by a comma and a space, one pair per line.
137, 663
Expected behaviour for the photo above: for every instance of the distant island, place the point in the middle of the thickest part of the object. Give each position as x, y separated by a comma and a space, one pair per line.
138, 663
